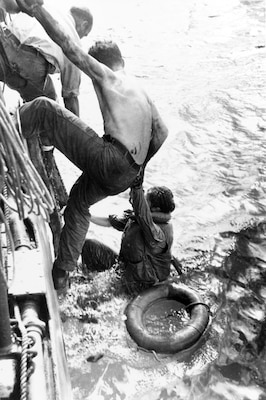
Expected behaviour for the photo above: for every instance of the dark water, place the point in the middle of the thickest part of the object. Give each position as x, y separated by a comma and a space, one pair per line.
203, 62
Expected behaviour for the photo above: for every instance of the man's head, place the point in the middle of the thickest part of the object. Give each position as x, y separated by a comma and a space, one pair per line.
83, 20
107, 52
160, 198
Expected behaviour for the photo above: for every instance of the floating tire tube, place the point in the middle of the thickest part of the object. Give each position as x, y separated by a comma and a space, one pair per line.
180, 340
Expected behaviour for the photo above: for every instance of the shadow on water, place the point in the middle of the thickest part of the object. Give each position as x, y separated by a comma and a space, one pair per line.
239, 370
245, 295
228, 363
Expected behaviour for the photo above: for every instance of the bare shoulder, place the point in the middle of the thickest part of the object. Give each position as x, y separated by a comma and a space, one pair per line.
94, 69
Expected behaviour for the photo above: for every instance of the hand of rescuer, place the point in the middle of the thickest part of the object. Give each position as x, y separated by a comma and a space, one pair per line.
10, 6
28, 6
137, 183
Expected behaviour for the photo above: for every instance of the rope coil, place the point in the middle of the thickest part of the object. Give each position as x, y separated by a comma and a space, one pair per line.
18, 173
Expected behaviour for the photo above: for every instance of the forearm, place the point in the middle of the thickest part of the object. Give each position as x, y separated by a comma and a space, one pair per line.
101, 221
141, 207
10, 6
57, 33
72, 104
152, 233
73, 51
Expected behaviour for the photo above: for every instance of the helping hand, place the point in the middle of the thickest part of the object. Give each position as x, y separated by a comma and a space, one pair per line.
10, 6
28, 6
137, 183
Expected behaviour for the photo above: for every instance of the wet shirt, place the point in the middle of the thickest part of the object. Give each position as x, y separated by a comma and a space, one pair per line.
146, 241
31, 33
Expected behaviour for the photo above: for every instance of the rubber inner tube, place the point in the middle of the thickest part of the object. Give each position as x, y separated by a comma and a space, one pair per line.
179, 340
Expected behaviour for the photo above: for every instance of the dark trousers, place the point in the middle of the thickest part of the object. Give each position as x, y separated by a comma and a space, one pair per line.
107, 169
24, 69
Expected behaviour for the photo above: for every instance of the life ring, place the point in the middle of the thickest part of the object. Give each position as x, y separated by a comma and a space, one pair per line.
182, 339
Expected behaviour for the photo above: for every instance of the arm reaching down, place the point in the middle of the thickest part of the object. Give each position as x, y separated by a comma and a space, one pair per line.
28, 6
86, 63
113, 220
10, 6
153, 235
101, 221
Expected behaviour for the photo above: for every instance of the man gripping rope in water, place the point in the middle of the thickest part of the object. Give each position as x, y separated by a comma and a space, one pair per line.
134, 131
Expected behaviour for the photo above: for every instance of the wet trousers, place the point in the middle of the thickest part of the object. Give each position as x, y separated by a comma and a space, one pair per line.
106, 165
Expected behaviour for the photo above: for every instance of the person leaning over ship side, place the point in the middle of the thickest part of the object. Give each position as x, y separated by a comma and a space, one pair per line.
28, 56
145, 254
134, 132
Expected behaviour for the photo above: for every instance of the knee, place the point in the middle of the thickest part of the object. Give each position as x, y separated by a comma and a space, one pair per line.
75, 215
37, 104
42, 102
30, 108
33, 114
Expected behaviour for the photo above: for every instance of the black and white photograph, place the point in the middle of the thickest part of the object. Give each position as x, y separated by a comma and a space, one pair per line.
132, 200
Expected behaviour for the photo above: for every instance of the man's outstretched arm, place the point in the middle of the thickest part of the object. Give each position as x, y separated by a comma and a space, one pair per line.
86, 63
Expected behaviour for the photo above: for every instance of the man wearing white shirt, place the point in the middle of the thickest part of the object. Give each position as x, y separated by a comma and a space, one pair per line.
28, 56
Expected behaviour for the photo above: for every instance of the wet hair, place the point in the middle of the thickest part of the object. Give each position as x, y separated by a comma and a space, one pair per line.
107, 52
161, 197
82, 13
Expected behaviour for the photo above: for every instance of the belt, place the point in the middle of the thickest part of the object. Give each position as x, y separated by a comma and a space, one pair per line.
123, 150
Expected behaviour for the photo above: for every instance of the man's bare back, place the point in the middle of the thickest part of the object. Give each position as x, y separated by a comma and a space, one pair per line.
128, 114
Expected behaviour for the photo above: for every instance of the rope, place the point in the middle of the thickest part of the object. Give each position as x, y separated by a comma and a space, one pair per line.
21, 178
24, 356
9, 248
151, 352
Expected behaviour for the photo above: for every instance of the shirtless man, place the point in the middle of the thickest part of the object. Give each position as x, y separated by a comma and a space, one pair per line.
134, 131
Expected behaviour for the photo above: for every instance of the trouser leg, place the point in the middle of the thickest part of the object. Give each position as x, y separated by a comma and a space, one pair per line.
24, 69
106, 170
36, 158
72, 237
59, 127
34, 89
34, 67
84, 193
56, 227
12, 79
31, 90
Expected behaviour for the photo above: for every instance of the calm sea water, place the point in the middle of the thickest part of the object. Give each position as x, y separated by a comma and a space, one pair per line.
203, 63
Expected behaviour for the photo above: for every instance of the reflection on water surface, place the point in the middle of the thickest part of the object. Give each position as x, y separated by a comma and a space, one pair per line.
203, 63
